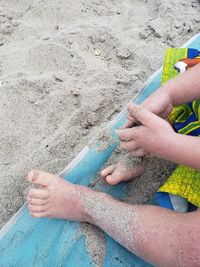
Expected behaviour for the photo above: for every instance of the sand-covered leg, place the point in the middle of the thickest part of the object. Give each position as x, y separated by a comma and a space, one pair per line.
127, 169
54, 197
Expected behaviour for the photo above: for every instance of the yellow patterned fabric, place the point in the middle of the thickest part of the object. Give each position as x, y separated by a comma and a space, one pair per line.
172, 55
184, 181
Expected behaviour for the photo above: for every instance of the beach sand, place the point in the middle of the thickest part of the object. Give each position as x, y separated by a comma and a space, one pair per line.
66, 69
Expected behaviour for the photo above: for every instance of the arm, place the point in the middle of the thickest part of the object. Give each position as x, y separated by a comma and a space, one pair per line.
182, 149
182, 89
160, 236
185, 87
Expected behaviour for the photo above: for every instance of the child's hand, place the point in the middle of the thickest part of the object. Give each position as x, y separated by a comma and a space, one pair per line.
152, 136
160, 103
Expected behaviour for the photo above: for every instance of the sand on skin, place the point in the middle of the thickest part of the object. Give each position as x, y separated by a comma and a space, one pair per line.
66, 69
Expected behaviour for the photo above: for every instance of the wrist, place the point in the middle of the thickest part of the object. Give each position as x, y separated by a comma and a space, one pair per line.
185, 150
165, 147
167, 91
171, 148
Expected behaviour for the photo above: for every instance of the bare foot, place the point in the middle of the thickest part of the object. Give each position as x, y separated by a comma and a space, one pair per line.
55, 197
117, 173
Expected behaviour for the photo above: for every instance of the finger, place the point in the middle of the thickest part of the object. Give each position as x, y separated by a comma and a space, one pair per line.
139, 152
127, 124
105, 172
130, 145
130, 122
128, 133
130, 118
124, 134
142, 115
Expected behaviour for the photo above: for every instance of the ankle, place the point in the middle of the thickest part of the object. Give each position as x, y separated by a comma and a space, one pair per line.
83, 194
92, 203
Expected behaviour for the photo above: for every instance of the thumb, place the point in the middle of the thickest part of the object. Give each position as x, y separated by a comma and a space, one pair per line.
142, 115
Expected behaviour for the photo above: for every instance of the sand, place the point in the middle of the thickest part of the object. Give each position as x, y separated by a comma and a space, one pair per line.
95, 243
67, 68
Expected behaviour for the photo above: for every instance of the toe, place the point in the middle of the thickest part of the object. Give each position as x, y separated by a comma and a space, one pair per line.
37, 201
105, 172
117, 176
40, 177
111, 180
39, 214
124, 176
38, 193
139, 152
34, 208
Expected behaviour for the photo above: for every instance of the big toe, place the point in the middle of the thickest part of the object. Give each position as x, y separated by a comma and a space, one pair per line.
112, 180
107, 171
116, 177
40, 177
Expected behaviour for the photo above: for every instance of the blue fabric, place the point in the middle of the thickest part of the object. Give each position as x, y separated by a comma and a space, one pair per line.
192, 118
163, 200
180, 125
192, 53
195, 132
